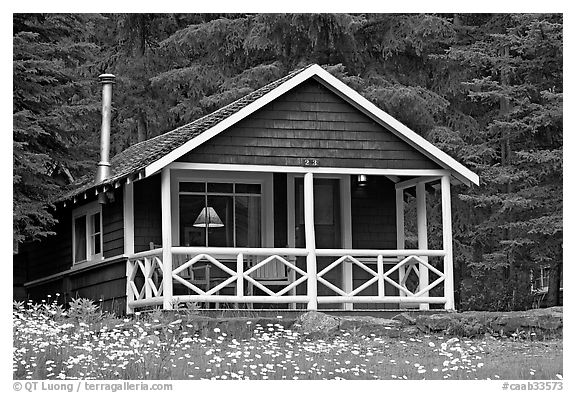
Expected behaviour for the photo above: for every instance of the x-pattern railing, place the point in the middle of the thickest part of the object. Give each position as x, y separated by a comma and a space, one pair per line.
204, 257
148, 267
247, 275
343, 259
412, 262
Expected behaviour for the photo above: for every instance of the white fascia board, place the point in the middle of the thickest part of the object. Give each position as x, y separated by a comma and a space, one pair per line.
466, 175
196, 166
460, 171
230, 121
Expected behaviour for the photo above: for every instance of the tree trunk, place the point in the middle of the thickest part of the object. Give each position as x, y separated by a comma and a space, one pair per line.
142, 34
458, 267
505, 155
142, 127
554, 280
457, 21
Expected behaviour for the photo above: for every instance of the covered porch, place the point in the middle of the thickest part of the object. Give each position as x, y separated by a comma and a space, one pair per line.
287, 237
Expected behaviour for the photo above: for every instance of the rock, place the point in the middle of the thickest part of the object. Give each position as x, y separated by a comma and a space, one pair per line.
539, 320
405, 318
474, 323
531, 323
314, 322
435, 322
369, 325
409, 331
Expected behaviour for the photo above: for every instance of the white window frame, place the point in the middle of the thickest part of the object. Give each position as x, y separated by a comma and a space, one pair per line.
87, 210
266, 197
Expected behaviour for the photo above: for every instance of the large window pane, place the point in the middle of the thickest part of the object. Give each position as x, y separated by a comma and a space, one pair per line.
217, 220
221, 232
95, 245
80, 239
248, 221
220, 188
95, 223
192, 187
190, 208
247, 188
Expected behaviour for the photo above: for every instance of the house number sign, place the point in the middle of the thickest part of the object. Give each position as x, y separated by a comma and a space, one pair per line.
310, 162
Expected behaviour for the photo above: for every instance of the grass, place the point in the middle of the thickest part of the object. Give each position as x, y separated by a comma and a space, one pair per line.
86, 344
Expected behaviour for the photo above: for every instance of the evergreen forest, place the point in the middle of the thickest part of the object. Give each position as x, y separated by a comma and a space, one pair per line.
485, 88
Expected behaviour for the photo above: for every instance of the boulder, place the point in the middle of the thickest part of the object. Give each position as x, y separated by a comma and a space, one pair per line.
538, 320
474, 323
405, 318
435, 322
314, 322
370, 325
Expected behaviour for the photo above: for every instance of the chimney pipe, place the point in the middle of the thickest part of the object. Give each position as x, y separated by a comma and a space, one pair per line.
107, 80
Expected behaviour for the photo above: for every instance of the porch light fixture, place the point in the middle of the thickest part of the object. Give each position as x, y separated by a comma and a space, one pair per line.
362, 180
208, 219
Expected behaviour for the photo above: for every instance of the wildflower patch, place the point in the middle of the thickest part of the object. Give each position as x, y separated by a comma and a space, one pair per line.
50, 344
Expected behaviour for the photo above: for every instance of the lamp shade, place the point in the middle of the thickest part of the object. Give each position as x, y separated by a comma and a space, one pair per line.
208, 218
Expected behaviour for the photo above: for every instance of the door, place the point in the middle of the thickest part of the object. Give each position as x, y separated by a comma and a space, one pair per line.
327, 226
326, 213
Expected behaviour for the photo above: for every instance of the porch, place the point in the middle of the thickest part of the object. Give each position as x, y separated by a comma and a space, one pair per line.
308, 274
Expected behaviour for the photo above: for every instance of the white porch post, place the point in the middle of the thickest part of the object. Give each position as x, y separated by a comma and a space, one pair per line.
128, 202
422, 238
166, 238
447, 241
310, 240
346, 214
240, 274
400, 243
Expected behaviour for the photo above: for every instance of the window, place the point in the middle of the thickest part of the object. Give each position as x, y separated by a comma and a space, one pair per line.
540, 280
87, 233
220, 214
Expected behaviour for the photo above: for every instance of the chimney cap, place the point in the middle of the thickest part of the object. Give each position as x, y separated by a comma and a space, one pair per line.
107, 78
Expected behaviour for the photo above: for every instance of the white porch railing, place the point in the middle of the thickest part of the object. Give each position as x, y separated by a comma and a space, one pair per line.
145, 279
404, 262
238, 267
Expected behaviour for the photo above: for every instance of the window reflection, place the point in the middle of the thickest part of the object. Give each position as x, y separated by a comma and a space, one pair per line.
235, 205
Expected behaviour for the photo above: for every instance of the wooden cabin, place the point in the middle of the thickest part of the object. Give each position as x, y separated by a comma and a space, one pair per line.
291, 197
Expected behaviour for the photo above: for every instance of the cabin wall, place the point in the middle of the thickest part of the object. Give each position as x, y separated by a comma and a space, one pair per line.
53, 255
113, 225
18, 277
105, 285
310, 122
373, 228
147, 213
280, 211
374, 214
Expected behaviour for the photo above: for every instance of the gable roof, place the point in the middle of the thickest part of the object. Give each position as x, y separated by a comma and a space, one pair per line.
148, 157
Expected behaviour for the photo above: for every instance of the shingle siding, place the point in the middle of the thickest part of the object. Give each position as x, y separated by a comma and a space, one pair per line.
113, 226
310, 122
147, 213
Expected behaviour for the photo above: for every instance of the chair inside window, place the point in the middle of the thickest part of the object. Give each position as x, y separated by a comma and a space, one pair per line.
273, 273
197, 274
